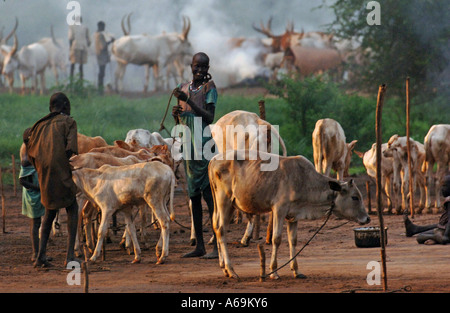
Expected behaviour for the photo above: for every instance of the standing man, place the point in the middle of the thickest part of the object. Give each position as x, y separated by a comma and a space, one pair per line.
51, 142
79, 42
101, 50
197, 99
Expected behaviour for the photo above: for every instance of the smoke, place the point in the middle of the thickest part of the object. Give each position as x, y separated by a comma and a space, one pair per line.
213, 24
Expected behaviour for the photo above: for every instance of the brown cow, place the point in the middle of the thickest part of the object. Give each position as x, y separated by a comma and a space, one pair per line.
397, 148
437, 151
86, 143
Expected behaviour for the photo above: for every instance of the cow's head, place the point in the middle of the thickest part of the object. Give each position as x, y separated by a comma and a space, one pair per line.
10, 62
393, 147
349, 203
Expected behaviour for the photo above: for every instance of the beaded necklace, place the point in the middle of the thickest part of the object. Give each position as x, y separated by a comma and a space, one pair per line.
191, 87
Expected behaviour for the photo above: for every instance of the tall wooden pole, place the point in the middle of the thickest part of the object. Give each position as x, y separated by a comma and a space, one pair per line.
380, 100
13, 161
3, 202
408, 147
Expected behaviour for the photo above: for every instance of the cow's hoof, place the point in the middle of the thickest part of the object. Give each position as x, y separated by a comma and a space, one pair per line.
274, 276
230, 274
161, 261
245, 242
136, 261
300, 276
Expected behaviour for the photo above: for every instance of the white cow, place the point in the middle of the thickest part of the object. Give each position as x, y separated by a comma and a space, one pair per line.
330, 149
292, 191
150, 51
397, 148
437, 151
144, 138
5, 49
245, 130
30, 61
57, 55
121, 188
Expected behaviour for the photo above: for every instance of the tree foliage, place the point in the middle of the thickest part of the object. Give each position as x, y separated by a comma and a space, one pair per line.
413, 40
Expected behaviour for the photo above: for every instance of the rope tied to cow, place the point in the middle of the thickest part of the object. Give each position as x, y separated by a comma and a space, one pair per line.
328, 215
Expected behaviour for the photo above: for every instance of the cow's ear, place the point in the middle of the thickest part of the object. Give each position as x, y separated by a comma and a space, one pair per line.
334, 185
122, 144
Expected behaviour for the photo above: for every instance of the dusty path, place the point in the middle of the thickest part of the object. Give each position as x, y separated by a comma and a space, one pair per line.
332, 262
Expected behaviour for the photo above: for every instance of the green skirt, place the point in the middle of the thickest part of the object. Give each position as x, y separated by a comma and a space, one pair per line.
31, 199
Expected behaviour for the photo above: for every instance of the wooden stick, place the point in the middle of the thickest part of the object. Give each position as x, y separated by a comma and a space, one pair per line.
257, 220
369, 205
380, 99
3, 202
408, 148
262, 109
262, 257
13, 161
86, 277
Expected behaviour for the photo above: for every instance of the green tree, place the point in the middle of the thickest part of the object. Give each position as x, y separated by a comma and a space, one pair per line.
411, 40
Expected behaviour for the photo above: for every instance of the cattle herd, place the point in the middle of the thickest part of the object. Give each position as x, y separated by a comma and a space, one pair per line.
168, 55
142, 171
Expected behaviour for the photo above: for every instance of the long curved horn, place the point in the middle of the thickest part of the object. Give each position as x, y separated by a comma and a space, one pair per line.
128, 22
186, 27
12, 32
14, 47
123, 27
53, 37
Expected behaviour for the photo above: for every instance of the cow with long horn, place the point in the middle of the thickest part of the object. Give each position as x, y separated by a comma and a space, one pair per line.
30, 61
150, 51
57, 55
4, 48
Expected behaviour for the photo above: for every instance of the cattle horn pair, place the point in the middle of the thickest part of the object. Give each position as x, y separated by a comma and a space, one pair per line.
4, 40
126, 32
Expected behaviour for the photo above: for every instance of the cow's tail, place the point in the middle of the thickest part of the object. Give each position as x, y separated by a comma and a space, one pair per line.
171, 198
319, 153
428, 155
213, 193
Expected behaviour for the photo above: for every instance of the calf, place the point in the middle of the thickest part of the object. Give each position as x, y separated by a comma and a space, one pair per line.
119, 152
86, 143
96, 160
292, 191
120, 188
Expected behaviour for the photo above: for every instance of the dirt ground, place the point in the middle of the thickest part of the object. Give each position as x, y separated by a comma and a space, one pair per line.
331, 262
